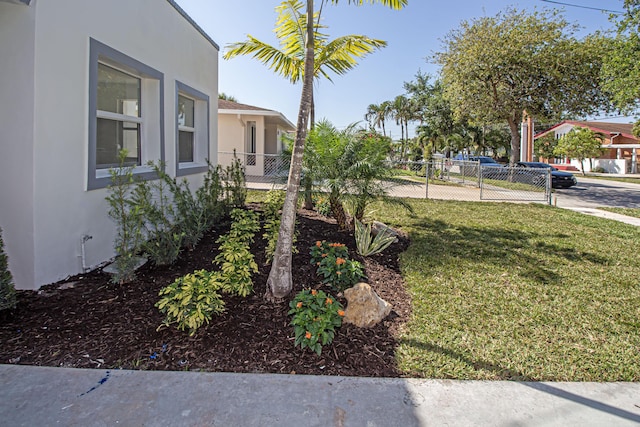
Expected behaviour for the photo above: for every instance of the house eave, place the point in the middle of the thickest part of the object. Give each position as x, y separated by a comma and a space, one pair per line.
186, 16
279, 118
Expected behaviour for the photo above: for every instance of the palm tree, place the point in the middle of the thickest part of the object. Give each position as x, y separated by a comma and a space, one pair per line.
280, 281
377, 114
338, 56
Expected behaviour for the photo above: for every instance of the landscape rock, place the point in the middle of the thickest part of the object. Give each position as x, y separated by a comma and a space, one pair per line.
364, 307
378, 227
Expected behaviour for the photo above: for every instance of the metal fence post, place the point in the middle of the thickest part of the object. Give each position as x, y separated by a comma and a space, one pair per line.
426, 181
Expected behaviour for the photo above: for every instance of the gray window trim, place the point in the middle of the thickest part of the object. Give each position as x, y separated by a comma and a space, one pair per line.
193, 93
100, 51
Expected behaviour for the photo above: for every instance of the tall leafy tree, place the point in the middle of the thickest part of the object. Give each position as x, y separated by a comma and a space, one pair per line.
494, 68
621, 70
580, 143
280, 281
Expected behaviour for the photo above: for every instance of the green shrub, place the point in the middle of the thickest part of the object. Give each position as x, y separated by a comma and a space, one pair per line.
235, 188
323, 207
190, 215
211, 196
191, 300
7, 290
235, 259
129, 221
316, 315
334, 266
368, 245
163, 242
272, 207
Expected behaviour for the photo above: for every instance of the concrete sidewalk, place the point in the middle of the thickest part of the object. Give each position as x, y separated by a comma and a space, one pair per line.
38, 396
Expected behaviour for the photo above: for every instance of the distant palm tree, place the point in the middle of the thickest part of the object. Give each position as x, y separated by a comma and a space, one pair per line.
377, 114
338, 56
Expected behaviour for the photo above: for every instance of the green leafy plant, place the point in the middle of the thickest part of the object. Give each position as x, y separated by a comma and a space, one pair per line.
190, 214
323, 207
235, 258
334, 266
235, 185
7, 290
316, 315
367, 244
162, 242
210, 197
190, 300
271, 208
128, 218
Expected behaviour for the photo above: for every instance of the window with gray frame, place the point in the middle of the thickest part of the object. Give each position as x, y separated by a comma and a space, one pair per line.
125, 112
192, 130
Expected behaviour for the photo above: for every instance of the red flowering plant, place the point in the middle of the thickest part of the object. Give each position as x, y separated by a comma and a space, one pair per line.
316, 315
334, 265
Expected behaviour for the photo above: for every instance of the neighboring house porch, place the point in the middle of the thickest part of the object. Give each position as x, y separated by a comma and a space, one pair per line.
254, 134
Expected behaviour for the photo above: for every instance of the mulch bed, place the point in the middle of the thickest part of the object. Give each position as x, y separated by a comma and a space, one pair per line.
88, 322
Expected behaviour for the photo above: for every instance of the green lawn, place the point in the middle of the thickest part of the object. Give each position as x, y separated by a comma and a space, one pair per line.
634, 212
512, 291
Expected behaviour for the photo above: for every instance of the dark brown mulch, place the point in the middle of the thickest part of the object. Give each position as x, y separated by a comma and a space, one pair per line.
88, 322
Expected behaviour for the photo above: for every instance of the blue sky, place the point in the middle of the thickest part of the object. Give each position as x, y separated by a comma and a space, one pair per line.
413, 34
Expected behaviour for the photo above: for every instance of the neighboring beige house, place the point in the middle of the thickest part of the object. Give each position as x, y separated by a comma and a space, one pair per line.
79, 80
255, 134
622, 147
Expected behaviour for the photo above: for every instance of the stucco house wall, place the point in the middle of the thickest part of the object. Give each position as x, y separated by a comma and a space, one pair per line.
52, 201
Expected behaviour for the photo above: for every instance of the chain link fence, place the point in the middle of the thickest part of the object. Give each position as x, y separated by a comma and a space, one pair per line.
469, 180
447, 179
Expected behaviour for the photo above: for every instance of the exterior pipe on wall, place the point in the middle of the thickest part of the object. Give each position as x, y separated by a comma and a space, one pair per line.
83, 240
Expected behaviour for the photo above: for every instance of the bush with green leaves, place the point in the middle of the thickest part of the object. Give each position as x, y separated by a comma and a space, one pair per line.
128, 217
316, 315
367, 244
163, 242
190, 214
7, 290
235, 259
334, 266
211, 196
323, 207
191, 300
235, 185
272, 207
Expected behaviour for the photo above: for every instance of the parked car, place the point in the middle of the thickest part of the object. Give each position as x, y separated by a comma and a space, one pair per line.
559, 179
490, 168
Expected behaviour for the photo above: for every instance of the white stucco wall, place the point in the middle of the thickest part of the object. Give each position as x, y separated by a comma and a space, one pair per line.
150, 31
17, 40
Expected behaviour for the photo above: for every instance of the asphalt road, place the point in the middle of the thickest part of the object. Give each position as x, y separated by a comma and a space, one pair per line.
592, 193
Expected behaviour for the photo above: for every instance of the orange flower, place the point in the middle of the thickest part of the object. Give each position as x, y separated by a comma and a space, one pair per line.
340, 312
329, 301
318, 243
299, 305
313, 292
340, 261
324, 255
308, 335
317, 263
338, 273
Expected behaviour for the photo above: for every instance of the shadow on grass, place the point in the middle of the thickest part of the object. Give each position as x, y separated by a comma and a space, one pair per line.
442, 244
501, 372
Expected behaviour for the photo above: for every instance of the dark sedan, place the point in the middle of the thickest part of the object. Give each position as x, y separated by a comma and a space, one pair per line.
559, 179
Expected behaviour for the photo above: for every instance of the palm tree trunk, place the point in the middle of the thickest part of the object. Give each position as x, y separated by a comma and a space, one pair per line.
280, 281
